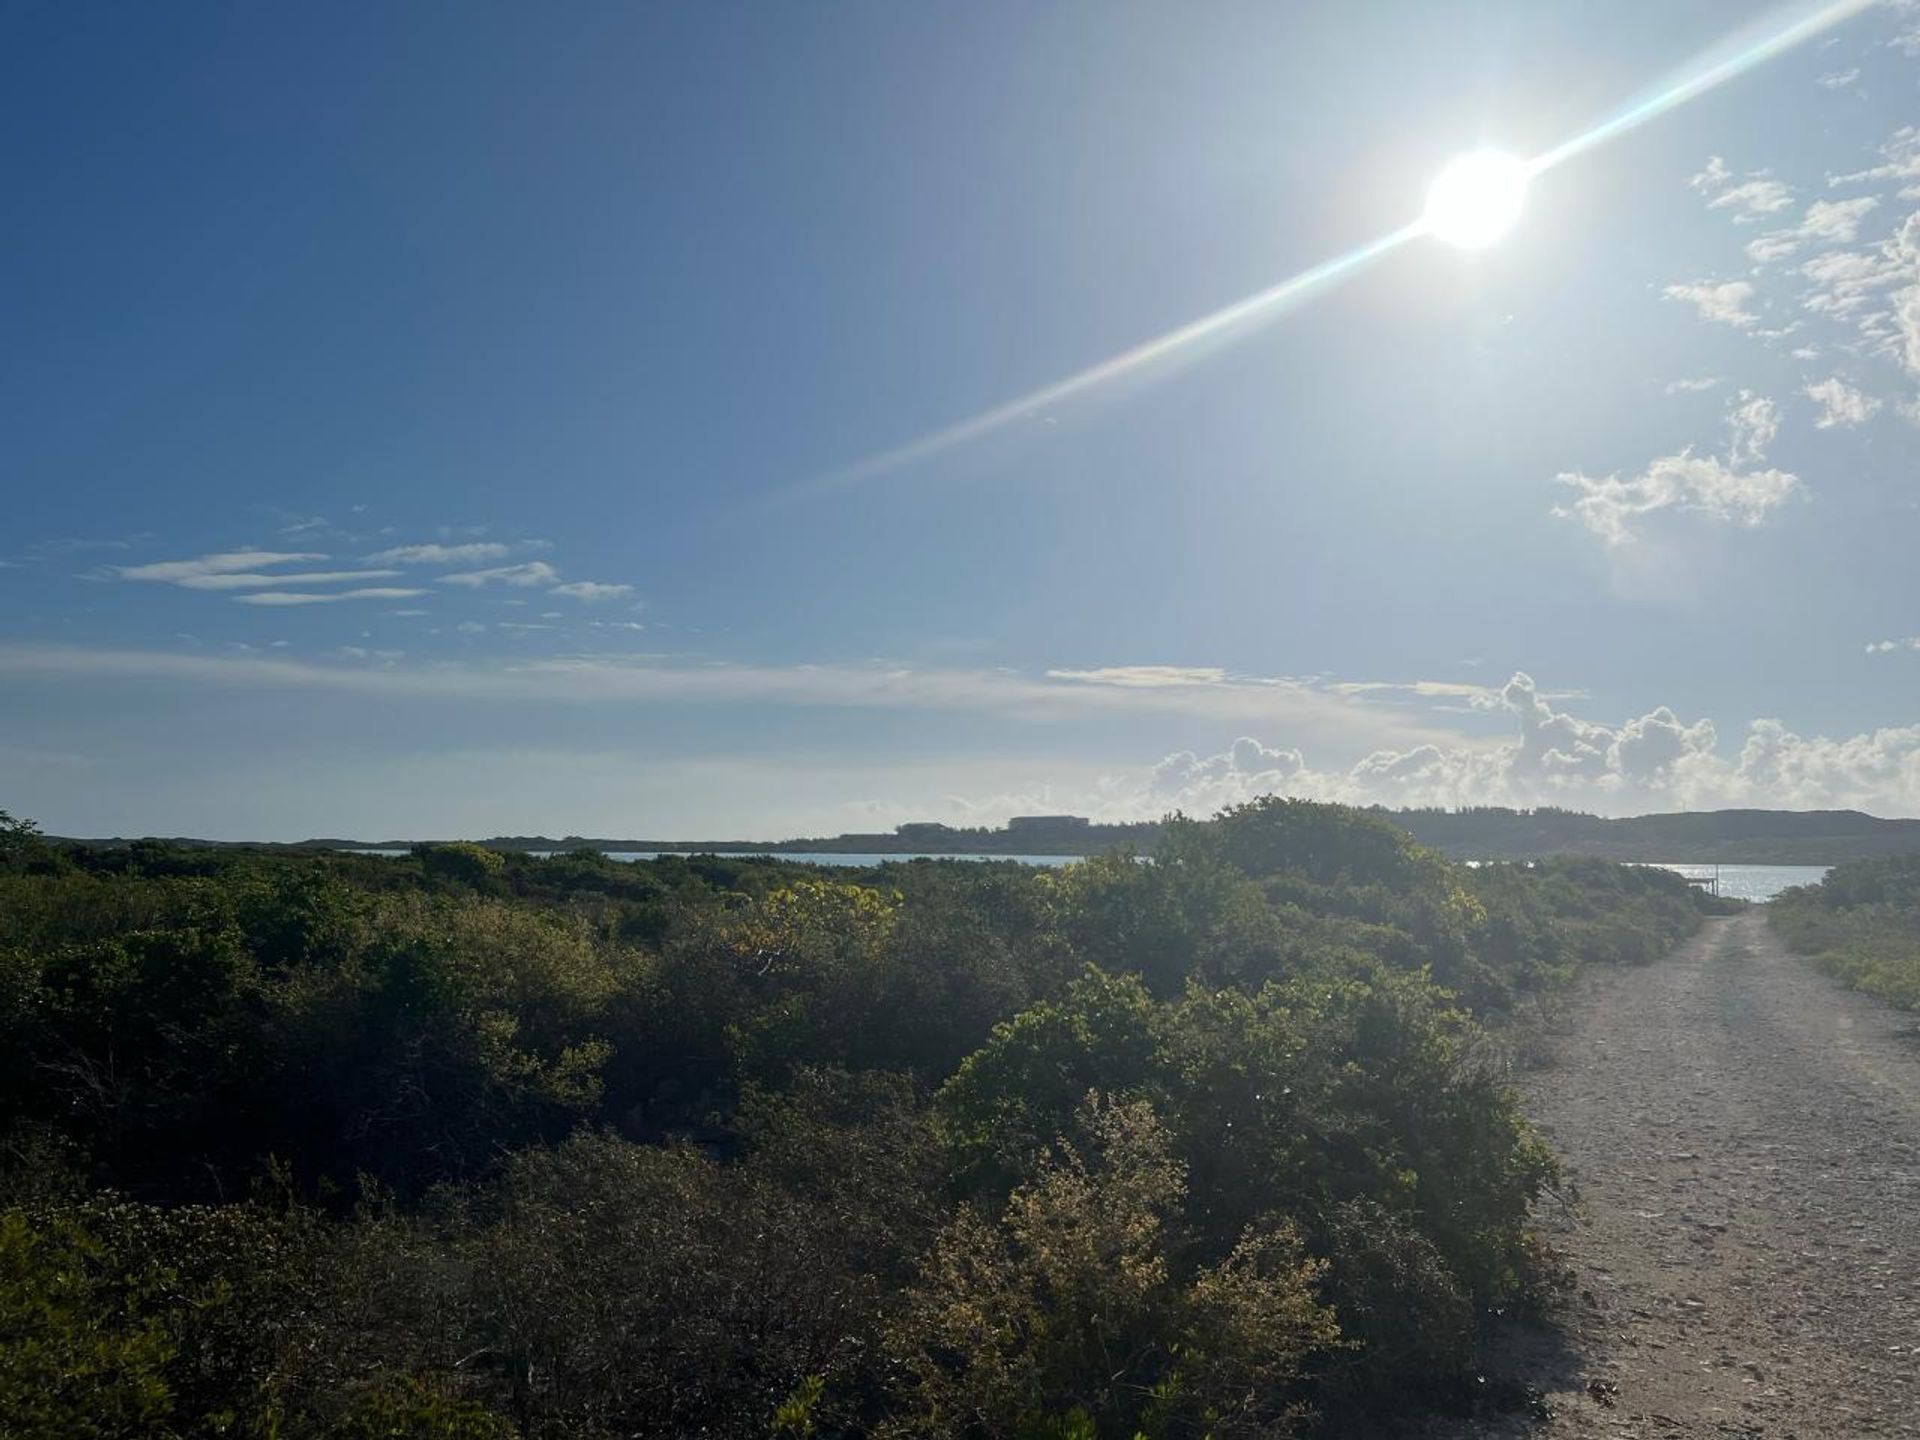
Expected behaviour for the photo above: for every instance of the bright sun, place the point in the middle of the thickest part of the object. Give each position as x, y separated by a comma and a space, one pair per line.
1476, 199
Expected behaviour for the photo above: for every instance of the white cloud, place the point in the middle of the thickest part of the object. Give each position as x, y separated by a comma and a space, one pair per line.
1888, 647
1306, 709
1609, 506
1144, 677
1899, 162
245, 581
533, 572
1840, 403
308, 597
1753, 422
1725, 490
1752, 198
1693, 385
1840, 79
1653, 761
1712, 176
590, 590
1825, 224
439, 554
1724, 302
227, 562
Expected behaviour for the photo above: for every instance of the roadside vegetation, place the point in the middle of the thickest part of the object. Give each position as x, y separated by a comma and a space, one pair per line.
470, 1146
1861, 923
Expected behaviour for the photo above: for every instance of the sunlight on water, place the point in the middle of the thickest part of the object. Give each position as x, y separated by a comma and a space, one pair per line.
1751, 882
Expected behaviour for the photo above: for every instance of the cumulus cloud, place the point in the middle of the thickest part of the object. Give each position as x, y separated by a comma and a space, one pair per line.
591, 590
228, 562
1609, 505
532, 572
1728, 490
1840, 403
1655, 760
1723, 302
439, 554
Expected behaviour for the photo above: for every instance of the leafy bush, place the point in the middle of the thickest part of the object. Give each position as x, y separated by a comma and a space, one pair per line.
1861, 923
734, 1146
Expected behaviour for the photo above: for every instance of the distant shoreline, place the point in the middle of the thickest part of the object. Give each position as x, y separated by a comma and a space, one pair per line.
1726, 837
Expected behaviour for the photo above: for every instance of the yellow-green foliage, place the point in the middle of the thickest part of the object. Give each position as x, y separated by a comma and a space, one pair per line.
1076, 1296
465, 1144
80, 1355
1861, 924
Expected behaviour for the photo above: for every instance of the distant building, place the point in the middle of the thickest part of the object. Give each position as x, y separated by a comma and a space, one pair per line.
1027, 824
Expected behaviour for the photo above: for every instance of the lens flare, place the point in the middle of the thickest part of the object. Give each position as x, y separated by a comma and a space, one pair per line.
1477, 199
1472, 203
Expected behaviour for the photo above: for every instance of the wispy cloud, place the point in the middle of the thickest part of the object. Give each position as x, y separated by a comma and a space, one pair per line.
1899, 161
1887, 647
227, 562
249, 581
1306, 708
329, 597
1693, 385
440, 554
591, 590
1144, 677
531, 573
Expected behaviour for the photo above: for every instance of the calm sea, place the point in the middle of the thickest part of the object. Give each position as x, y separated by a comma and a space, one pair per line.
799, 857
809, 857
1751, 882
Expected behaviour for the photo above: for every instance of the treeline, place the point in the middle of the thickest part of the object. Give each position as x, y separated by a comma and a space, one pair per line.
1862, 924
1751, 837
467, 1145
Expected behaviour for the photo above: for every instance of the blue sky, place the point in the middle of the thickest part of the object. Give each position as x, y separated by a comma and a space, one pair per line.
426, 420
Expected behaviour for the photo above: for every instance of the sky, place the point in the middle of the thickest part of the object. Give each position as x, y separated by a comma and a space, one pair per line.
473, 419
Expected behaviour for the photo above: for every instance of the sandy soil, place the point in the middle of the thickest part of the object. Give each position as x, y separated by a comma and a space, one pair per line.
1744, 1140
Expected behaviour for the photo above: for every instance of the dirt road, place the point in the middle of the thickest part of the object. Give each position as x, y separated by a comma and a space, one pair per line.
1744, 1136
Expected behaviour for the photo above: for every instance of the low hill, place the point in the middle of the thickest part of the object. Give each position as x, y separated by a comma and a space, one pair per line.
1733, 837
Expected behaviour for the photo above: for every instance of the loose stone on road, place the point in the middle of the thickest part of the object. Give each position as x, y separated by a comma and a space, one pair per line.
1744, 1139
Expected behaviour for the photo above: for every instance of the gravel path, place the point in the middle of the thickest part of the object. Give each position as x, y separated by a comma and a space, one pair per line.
1744, 1139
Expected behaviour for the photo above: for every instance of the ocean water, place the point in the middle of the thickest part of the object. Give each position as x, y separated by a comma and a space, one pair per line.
808, 857
1751, 882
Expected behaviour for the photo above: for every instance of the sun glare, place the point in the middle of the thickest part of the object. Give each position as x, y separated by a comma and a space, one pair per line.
1476, 199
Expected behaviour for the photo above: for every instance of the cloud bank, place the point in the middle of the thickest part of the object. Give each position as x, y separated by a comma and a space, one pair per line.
1651, 762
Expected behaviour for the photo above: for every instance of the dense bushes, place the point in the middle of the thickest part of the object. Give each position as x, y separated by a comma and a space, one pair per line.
1861, 923
470, 1145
